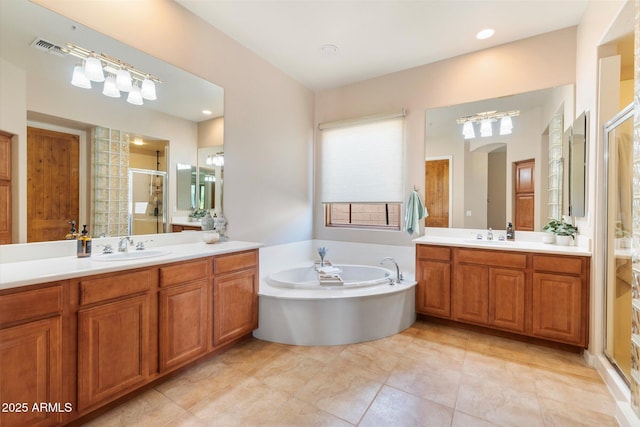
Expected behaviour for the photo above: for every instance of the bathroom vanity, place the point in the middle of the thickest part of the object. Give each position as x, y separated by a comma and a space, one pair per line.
77, 339
525, 288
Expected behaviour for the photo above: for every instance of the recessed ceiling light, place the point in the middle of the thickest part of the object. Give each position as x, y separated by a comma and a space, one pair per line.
207, 112
138, 141
485, 34
328, 50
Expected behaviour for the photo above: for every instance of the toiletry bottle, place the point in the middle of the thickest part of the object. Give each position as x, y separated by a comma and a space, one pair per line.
84, 243
511, 235
72, 234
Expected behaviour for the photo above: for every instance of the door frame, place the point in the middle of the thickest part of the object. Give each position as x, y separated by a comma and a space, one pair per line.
448, 157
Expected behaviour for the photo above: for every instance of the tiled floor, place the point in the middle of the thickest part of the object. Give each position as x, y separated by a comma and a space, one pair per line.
429, 375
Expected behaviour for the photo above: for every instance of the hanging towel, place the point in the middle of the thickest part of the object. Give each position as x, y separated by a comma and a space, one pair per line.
414, 213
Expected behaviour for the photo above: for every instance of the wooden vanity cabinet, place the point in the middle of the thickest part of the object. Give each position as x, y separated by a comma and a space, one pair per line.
561, 298
433, 273
537, 295
184, 315
176, 228
115, 331
235, 296
31, 356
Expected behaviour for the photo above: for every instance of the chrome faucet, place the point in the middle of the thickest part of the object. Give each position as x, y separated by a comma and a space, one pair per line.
123, 246
398, 273
490, 234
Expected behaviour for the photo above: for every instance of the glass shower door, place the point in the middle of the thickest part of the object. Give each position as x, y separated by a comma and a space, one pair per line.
147, 191
619, 225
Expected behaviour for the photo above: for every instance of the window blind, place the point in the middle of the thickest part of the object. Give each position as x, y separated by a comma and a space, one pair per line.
362, 162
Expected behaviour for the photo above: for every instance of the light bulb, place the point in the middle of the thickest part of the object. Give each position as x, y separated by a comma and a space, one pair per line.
123, 80
467, 130
485, 128
135, 96
149, 89
93, 69
110, 88
506, 125
79, 79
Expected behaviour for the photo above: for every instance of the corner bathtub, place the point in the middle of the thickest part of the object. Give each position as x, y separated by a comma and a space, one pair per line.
296, 309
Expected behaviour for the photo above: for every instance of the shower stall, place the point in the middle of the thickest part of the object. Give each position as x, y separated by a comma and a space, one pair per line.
147, 193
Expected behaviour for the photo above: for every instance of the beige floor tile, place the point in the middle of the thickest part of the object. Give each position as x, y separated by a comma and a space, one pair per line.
296, 413
366, 360
289, 371
324, 354
492, 401
561, 414
251, 354
460, 419
507, 373
393, 407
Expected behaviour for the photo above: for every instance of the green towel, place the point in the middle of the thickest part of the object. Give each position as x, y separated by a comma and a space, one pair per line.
415, 212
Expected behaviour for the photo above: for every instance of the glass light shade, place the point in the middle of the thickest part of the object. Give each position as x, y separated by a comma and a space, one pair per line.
149, 90
123, 80
506, 125
485, 128
79, 79
93, 69
218, 160
467, 130
110, 89
135, 96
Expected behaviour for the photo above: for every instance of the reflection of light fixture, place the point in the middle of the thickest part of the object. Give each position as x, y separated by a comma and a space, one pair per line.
138, 141
207, 112
486, 118
486, 128
124, 77
79, 78
467, 130
506, 125
215, 160
209, 178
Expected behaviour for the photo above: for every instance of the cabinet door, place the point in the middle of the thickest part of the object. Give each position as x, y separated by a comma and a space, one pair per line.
113, 349
31, 368
235, 305
558, 308
433, 294
506, 299
183, 324
471, 294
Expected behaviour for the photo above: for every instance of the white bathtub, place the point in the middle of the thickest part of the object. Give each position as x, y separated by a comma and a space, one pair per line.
296, 309
353, 276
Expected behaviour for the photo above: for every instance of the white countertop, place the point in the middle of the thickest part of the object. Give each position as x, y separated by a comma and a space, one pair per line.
31, 272
517, 245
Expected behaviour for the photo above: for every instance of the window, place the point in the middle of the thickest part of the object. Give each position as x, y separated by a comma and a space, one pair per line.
361, 169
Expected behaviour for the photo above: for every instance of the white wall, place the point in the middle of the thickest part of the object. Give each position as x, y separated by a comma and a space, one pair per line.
512, 68
268, 116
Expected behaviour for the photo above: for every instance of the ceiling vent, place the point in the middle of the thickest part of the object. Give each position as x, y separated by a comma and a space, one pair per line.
46, 46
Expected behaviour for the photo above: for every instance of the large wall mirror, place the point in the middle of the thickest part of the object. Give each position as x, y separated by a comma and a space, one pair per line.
487, 181
578, 165
38, 77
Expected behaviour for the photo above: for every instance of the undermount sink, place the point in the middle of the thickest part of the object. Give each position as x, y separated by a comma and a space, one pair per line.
129, 256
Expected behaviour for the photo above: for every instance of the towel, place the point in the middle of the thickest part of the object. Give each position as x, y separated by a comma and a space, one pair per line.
328, 270
415, 212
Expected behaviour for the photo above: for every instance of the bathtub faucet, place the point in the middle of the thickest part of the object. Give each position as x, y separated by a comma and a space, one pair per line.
398, 273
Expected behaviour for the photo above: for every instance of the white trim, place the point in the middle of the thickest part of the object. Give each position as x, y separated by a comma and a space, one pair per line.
364, 119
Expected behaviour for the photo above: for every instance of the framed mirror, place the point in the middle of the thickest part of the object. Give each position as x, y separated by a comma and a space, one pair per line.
578, 165
186, 186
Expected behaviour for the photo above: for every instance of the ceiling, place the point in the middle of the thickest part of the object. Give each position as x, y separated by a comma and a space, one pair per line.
376, 37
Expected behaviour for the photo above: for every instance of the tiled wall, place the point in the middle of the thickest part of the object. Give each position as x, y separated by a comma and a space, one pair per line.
635, 344
110, 182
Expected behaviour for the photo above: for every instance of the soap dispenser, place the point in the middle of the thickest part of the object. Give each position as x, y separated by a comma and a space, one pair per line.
84, 243
511, 235
72, 234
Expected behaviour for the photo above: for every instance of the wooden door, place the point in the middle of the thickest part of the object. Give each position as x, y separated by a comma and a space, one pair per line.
52, 183
31, 372
437, 193
558, 304
235, 305
113, 349
433, 293
5, 188
183, 324
507, 299
471, 294
524, 200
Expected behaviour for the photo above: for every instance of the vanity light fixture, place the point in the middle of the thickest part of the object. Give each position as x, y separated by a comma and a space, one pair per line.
486, 120
121, 77
215, 160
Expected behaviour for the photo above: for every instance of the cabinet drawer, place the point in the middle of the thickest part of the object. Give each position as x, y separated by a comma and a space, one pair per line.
114, 286
558, 264
234, 262
30, 304
493, 258
184, 272
439, 253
